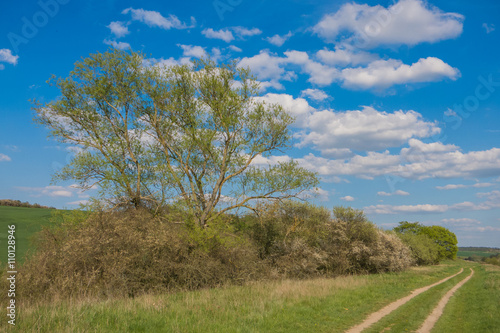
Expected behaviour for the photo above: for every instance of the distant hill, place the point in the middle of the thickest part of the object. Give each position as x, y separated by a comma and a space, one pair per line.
18, 203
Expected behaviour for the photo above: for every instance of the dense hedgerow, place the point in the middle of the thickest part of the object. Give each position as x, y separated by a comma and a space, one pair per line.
131, 252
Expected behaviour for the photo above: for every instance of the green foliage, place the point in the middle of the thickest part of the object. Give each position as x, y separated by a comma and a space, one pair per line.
304, 240
494, 259
28, 222
149, 134
445, 239
424, 250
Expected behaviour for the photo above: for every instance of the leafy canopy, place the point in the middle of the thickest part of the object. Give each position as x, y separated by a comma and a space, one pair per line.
149, 134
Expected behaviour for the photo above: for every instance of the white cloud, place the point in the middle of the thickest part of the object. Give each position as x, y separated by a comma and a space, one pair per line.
347, 198
297, 107
488, 27
245, 32
457, 186
161, 62
225, 35
78, 202
377, 75
418, 161
119, 29
492, 202
260, 160
407, 22
51, 191
435, 160
316, 193
264, 65
343, 57
382, 74
279, 40
406, 209
192, 51
318, 73
117, 45
315, 94
270, 84
364, 130
6, 56
461, 222
235, 48
398, 192
4, 158
155, 19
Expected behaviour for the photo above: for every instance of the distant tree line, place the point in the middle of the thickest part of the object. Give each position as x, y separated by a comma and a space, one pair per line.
19, 203
480, 249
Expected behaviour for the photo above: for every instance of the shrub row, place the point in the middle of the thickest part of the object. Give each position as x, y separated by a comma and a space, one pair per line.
130, 253
18, 203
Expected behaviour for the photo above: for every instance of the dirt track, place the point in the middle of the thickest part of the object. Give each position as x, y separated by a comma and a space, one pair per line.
376, 316
438, 310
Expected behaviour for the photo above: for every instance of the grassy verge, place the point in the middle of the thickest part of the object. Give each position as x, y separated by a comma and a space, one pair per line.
410, 316
474, 308
320, 305
28, 221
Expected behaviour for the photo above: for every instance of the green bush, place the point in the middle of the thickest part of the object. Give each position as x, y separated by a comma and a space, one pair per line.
424, 250
129, 253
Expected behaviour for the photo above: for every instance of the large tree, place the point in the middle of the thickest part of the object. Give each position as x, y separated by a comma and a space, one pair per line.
149, 134
442, 237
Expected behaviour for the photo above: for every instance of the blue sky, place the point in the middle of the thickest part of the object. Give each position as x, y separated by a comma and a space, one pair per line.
397, 104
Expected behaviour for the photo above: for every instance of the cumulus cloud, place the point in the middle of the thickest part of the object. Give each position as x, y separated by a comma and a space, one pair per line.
223, 34
264, 65
376, 75
457, 186
235, 48
260, 160
364, 130
192, 51
4, 158
119, 29
347, 198
316, 193
407, 22
7, 57
117, 45
343, 57
315, 94
245, 32
461, 222
279, 40
318, 73
398, 192
297, 107
78, 202
488, 27
406, 209
382, 74
51, 191
155, 19
418, 161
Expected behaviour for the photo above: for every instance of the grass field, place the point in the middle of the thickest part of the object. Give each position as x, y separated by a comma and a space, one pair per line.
466, 254
320, 305
27, 221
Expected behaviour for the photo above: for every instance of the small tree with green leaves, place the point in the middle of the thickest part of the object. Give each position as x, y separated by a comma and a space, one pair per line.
191, 134
445, 240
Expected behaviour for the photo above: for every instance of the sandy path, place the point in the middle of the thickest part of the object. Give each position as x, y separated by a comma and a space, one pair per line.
376, 316
438, 310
